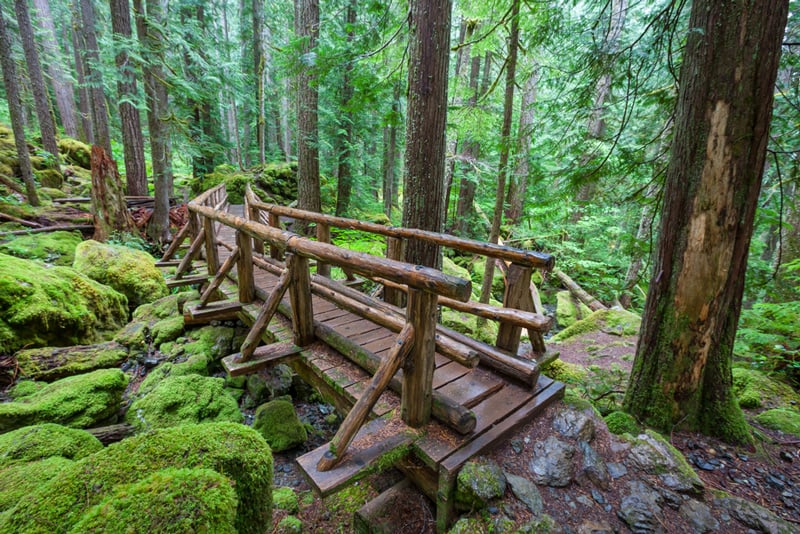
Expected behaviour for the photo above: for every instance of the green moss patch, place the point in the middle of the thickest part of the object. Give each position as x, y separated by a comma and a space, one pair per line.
781, 419
178, 400
18, 480
79, 401
622, 423
75, 152
57, 248
230, 449
285, 498
130, 271
567, 311
754, 389
569, 373
52, 363
170, 500
38, 442
277, 421
616, 322
41, 306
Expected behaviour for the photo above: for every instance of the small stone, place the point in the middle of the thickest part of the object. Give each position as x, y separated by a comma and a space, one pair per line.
526, 491
492, 510
775, 482
516, 446
699, 516
593, 466
584, 500
574, 424
598, 497
552, 462
786, 456
595, 527
743, 457
616, 470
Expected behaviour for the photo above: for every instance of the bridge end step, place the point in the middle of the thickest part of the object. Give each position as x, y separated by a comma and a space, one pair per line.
187, 281
548, 357
264, 356
377, 441
224, 310
168, 263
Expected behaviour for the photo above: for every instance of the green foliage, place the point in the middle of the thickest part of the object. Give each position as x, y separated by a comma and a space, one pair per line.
767, 336
63, 362
285, 498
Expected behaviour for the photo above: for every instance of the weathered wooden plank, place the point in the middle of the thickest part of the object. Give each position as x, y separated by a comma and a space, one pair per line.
355, 327
343, 320
223, 310
379, 346
264, 356
472, 388
498, 406
385, 404
372, 335
187, 281
447, 373
328, 315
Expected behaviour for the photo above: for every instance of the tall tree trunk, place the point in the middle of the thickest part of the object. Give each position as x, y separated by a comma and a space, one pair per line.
505, 142
148, 26
286, 128
345, 174
47, 126
132, 139
84, 110
682, 371
306, 20
15, 111
62, 87
258, 76
389, 169
94, 77
201, 128
518, 185
231, 116
472, 149
109, 209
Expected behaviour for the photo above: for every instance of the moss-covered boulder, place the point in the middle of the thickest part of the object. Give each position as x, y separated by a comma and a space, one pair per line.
57, 248
75, 153
781, 419
161, 319
622, 423
179, 400
613, 321
277, 421
8, 152
653, 454
51, 363
478, 483
18, 480
755, 389
79, 401
31, 443
477, 268
230, 449
277, 182
180, 501
25, 388
566, 372
567, 311
468, 324
50, 178
131, 272
41, 306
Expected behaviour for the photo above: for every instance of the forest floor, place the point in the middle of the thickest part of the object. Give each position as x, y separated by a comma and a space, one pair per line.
768, 475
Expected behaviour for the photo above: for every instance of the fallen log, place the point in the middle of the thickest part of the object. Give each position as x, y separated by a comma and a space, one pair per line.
580, 294
111, 434
17, 220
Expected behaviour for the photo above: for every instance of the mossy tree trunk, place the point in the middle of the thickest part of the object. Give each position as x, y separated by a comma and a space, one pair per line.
682, 370
94, 76
15, 111
109, 208
344, 185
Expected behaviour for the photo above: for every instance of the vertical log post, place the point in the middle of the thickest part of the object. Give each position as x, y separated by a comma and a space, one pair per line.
300, 294
254, 215
244, 269
275, 222
394, 251
517, 296
212, 256
415, 404
323, 236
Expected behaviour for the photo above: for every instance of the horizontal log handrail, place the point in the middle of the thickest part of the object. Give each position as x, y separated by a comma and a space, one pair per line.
417, 276
523, 257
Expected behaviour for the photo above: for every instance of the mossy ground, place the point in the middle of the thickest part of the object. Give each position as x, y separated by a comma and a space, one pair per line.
781, 419
38, 442
755, 389
57, 248
20, 479
230, 449
617, 322
622, 423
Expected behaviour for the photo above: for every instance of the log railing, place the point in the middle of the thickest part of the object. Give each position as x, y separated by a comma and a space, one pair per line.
518, 309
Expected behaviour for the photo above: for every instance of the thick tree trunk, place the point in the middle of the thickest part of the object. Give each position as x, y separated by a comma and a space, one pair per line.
306, 17
84, 110
682, 371
518, 185
15, 111
62, 87
390, 156
109, 208
132, 139
94, 77
344, 175
157, 102
258, 76
230, 114
286, 128
47, 126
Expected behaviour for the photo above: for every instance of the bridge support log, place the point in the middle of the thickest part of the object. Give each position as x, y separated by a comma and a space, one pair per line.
212, 256
227, 265
191, 254
323, 236
300, 293
244, 268
267, 311
416, 399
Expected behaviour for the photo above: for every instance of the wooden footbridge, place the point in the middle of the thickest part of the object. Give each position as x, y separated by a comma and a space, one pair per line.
417, 396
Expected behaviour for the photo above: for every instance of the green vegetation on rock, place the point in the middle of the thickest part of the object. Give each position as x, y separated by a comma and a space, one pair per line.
178, 400
179, 501
230, 449
57, 248
754, 389
41, 306
285, 498
79, 401
277, 421
620, 422
18, 480
781, 419
567, 312
31, 443
51, 363
478, 483
566, 372
75, 152
289, 525
616, 322
130, 271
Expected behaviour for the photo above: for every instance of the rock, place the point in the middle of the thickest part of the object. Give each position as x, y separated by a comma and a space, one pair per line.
754, 516
596, 527
188, 500
277, 421
781, 419
19, 479
699, 516
478, 483
32, 443
75, 152
56, 248
620, 422
593, 468
468, 525
57, 306
566, 372
230, 449
195, 365
552, 462
613, 321
131, 272
79, 401
52, 363
654, 455
256, 387
178, 400
616, 470
526, 491
567, 311
574, 424
50, 178
639, 509
289, 525
544, 524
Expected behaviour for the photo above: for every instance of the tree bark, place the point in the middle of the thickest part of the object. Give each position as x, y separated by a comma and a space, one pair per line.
518, 185
306, 20
15, 111
258, 76
682, 371
62, 87
47, 125
109, 208
132, 139
344, 175
84, 111
390, 155
94, 77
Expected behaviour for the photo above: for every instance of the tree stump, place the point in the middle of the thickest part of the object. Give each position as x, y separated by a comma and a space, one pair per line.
109, 209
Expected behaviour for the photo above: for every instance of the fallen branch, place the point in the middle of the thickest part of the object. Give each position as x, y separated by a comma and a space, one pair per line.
81, 227
19, 221
11, 184
575, 289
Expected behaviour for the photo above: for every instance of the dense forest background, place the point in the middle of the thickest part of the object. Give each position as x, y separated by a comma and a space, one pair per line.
567, 106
